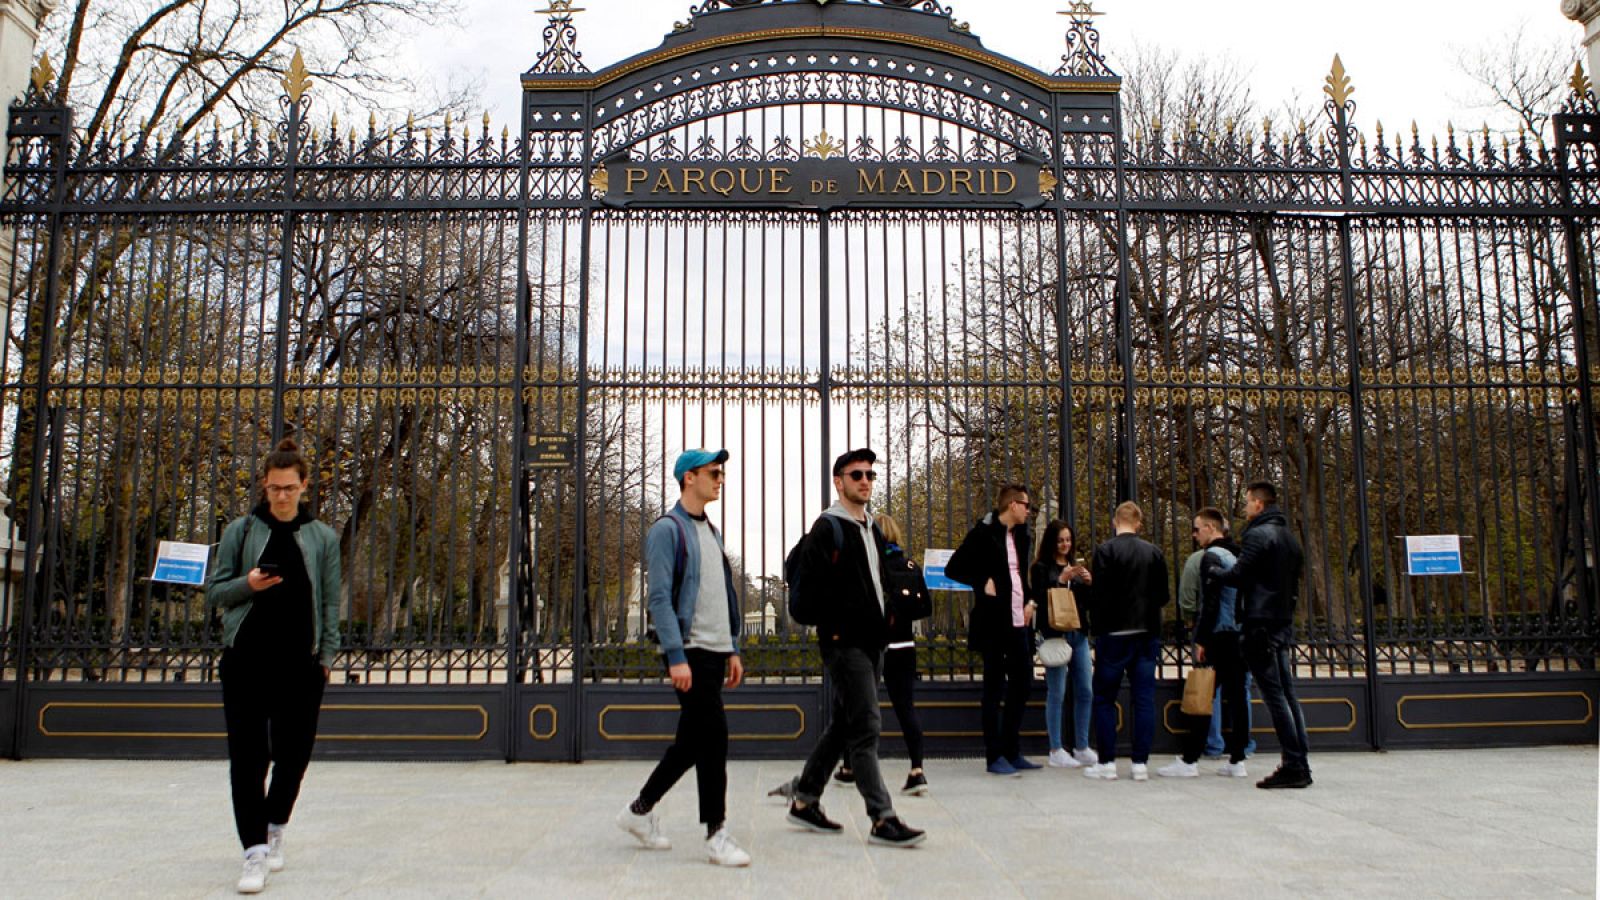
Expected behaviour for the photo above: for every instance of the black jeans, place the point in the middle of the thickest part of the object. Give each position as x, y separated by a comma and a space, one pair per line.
852, 733
1223, 655
1007, 676
702, 740
1269, 649
900, 677
270, 706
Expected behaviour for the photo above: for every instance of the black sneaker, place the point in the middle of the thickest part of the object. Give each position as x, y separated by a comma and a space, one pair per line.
810, 816
916, 784
1286, 778
892, 832
844, 776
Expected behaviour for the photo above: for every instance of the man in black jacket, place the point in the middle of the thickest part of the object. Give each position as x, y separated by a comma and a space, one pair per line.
1130, 590
1267, 575
853, 631
992, 558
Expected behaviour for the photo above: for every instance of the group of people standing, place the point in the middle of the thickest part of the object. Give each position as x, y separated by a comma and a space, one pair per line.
1243, 601
1242, 615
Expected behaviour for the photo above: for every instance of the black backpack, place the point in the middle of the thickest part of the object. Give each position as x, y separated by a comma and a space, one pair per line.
805, 586
906, 589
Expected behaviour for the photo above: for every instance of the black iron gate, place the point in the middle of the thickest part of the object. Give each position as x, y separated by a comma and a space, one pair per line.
792, 228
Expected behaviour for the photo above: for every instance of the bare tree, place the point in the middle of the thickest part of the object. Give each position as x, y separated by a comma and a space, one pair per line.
1520, 77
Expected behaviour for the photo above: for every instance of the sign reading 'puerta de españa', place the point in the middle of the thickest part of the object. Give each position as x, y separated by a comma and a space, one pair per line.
825, 184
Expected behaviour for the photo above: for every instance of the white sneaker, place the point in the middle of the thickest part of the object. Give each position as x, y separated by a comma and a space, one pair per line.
1233, 769
1179, 769
1086, 757
1141, 772
724, 852
1102, 771
1061, 759
646, 828
275, 860
254, 877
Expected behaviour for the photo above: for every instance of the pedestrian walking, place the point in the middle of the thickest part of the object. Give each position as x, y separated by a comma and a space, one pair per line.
277, 583
841, 561
695, 611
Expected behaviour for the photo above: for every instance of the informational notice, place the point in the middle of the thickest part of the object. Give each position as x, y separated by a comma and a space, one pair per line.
181, 563
933, 563
1433, 554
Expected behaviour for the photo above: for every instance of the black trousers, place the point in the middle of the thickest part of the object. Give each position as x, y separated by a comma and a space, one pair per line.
1269, 649
1224, 654
702, 739
1007, 678
900, 678
271, 706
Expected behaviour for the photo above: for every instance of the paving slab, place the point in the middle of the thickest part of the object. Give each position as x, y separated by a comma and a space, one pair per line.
1414, 824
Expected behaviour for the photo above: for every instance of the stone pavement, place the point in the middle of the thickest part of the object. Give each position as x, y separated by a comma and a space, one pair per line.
1415, 824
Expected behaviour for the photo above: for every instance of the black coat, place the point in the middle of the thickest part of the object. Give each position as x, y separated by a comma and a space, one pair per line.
1268, 571
982, 556
852, 615
904, 590
1130, 586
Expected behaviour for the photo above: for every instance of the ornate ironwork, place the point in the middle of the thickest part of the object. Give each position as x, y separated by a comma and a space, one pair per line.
1083, 58
1187, 309
560, 54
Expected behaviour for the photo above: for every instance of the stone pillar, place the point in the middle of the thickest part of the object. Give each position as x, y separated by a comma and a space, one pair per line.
19, 30
1587, 14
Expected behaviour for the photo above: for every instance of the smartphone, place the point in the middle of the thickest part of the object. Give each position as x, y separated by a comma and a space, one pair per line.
268, 569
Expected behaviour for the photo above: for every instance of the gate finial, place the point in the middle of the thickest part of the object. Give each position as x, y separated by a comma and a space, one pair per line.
560, 55
1083, 59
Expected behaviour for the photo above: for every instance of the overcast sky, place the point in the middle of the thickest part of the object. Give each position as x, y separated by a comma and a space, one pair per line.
1401, 53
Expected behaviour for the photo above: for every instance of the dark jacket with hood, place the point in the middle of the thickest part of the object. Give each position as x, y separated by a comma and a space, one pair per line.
1130, 586
1267, 573
982, 556
853, 615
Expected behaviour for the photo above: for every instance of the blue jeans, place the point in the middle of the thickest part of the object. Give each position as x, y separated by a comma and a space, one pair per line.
1134, 655
1055, 684
1214, 745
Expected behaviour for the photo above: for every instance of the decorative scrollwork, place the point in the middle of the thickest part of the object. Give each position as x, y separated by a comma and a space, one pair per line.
1083, 58
560, 55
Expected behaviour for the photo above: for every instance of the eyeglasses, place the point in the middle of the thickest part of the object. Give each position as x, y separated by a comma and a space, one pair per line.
858, 474
284, 490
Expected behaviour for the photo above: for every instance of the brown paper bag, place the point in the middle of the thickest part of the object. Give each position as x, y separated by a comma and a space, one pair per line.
1063, 610
1198, 689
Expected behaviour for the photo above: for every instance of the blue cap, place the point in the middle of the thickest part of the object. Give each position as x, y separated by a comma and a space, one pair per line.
694, 459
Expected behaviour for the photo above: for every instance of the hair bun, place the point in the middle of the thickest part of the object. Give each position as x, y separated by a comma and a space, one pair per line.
287, 445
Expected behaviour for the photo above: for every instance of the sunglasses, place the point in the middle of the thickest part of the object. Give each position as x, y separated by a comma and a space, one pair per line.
1026, 505
858, 474
714, 474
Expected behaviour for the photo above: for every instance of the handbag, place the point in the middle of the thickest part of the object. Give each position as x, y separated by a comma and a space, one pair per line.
1063, 609
1199, 686
1054, 652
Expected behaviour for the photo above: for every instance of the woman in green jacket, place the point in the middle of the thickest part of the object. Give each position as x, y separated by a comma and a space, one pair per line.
277, 584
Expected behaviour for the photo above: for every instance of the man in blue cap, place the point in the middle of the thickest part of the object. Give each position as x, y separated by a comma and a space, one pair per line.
695, 612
